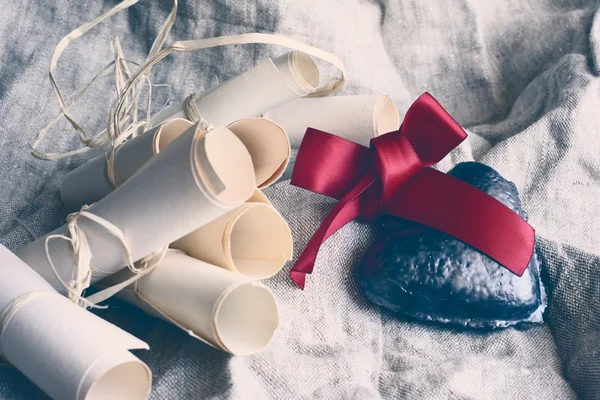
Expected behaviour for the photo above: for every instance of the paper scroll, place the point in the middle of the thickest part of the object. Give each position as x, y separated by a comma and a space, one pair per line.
194, 180
89, 182
253, 240
357, 118
65, 350
264, 87
266, 142
224, 309
268, 145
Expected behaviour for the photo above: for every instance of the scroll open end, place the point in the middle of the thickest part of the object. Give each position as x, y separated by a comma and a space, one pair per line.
246, 318
268, 145
299, 71
67, 351
259, 242
253, 240
129, 380
222, 308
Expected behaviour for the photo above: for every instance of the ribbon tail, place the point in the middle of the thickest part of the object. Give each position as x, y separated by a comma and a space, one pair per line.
347, 209
299, 278
340, 215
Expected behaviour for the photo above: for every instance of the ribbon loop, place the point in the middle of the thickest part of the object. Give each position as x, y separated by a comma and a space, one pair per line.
393, 177
321, 151
431, 131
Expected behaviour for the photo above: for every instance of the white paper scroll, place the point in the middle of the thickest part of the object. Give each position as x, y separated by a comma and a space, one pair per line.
219, 307
264, 87
357, 118
65, 350
194, 180
266, 142
253, 240
89, 182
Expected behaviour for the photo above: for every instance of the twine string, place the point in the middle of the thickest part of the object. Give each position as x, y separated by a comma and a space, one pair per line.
146, 265
123, 122
82, 269
192, 113
128, 117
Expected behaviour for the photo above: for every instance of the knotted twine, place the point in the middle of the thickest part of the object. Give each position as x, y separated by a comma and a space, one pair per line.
123, 123
193, 114
82, 271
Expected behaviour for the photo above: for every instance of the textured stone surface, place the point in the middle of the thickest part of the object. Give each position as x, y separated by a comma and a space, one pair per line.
431, 276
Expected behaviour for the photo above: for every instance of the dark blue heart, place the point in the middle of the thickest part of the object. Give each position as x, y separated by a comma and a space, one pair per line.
431, 276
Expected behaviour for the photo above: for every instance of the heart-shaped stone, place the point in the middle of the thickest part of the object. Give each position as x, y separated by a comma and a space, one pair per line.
431, 276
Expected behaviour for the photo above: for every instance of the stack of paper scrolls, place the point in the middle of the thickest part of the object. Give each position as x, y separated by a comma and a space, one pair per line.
173, 220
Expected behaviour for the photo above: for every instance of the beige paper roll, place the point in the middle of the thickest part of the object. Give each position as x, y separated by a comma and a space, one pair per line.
268, 145
89, 182
357, 118
194, 180
264, 87
65, 350
221, 308
253, 240
136, 152
266, 142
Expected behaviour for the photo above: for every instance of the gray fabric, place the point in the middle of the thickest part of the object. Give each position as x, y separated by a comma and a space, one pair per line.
521, 75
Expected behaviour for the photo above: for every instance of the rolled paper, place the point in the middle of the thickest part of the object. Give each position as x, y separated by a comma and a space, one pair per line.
89, 182
356, 118
267, 143
264, 87
253, 240
67, 351
224, 309
194, 180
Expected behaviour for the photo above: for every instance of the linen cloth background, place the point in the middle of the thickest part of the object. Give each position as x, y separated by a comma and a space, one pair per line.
521, 75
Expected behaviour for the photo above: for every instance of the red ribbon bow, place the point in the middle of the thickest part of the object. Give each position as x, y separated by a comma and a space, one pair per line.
393, 177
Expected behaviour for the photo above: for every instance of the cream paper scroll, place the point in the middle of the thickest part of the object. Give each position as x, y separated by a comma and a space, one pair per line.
221, 308
268, 145
266, 142
357, 118
68, 352
268, 85
253, 240
194, 180
89, 182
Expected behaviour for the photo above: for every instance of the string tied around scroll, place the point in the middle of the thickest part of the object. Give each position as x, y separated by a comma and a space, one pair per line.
82, 269
123, 122
191, 112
